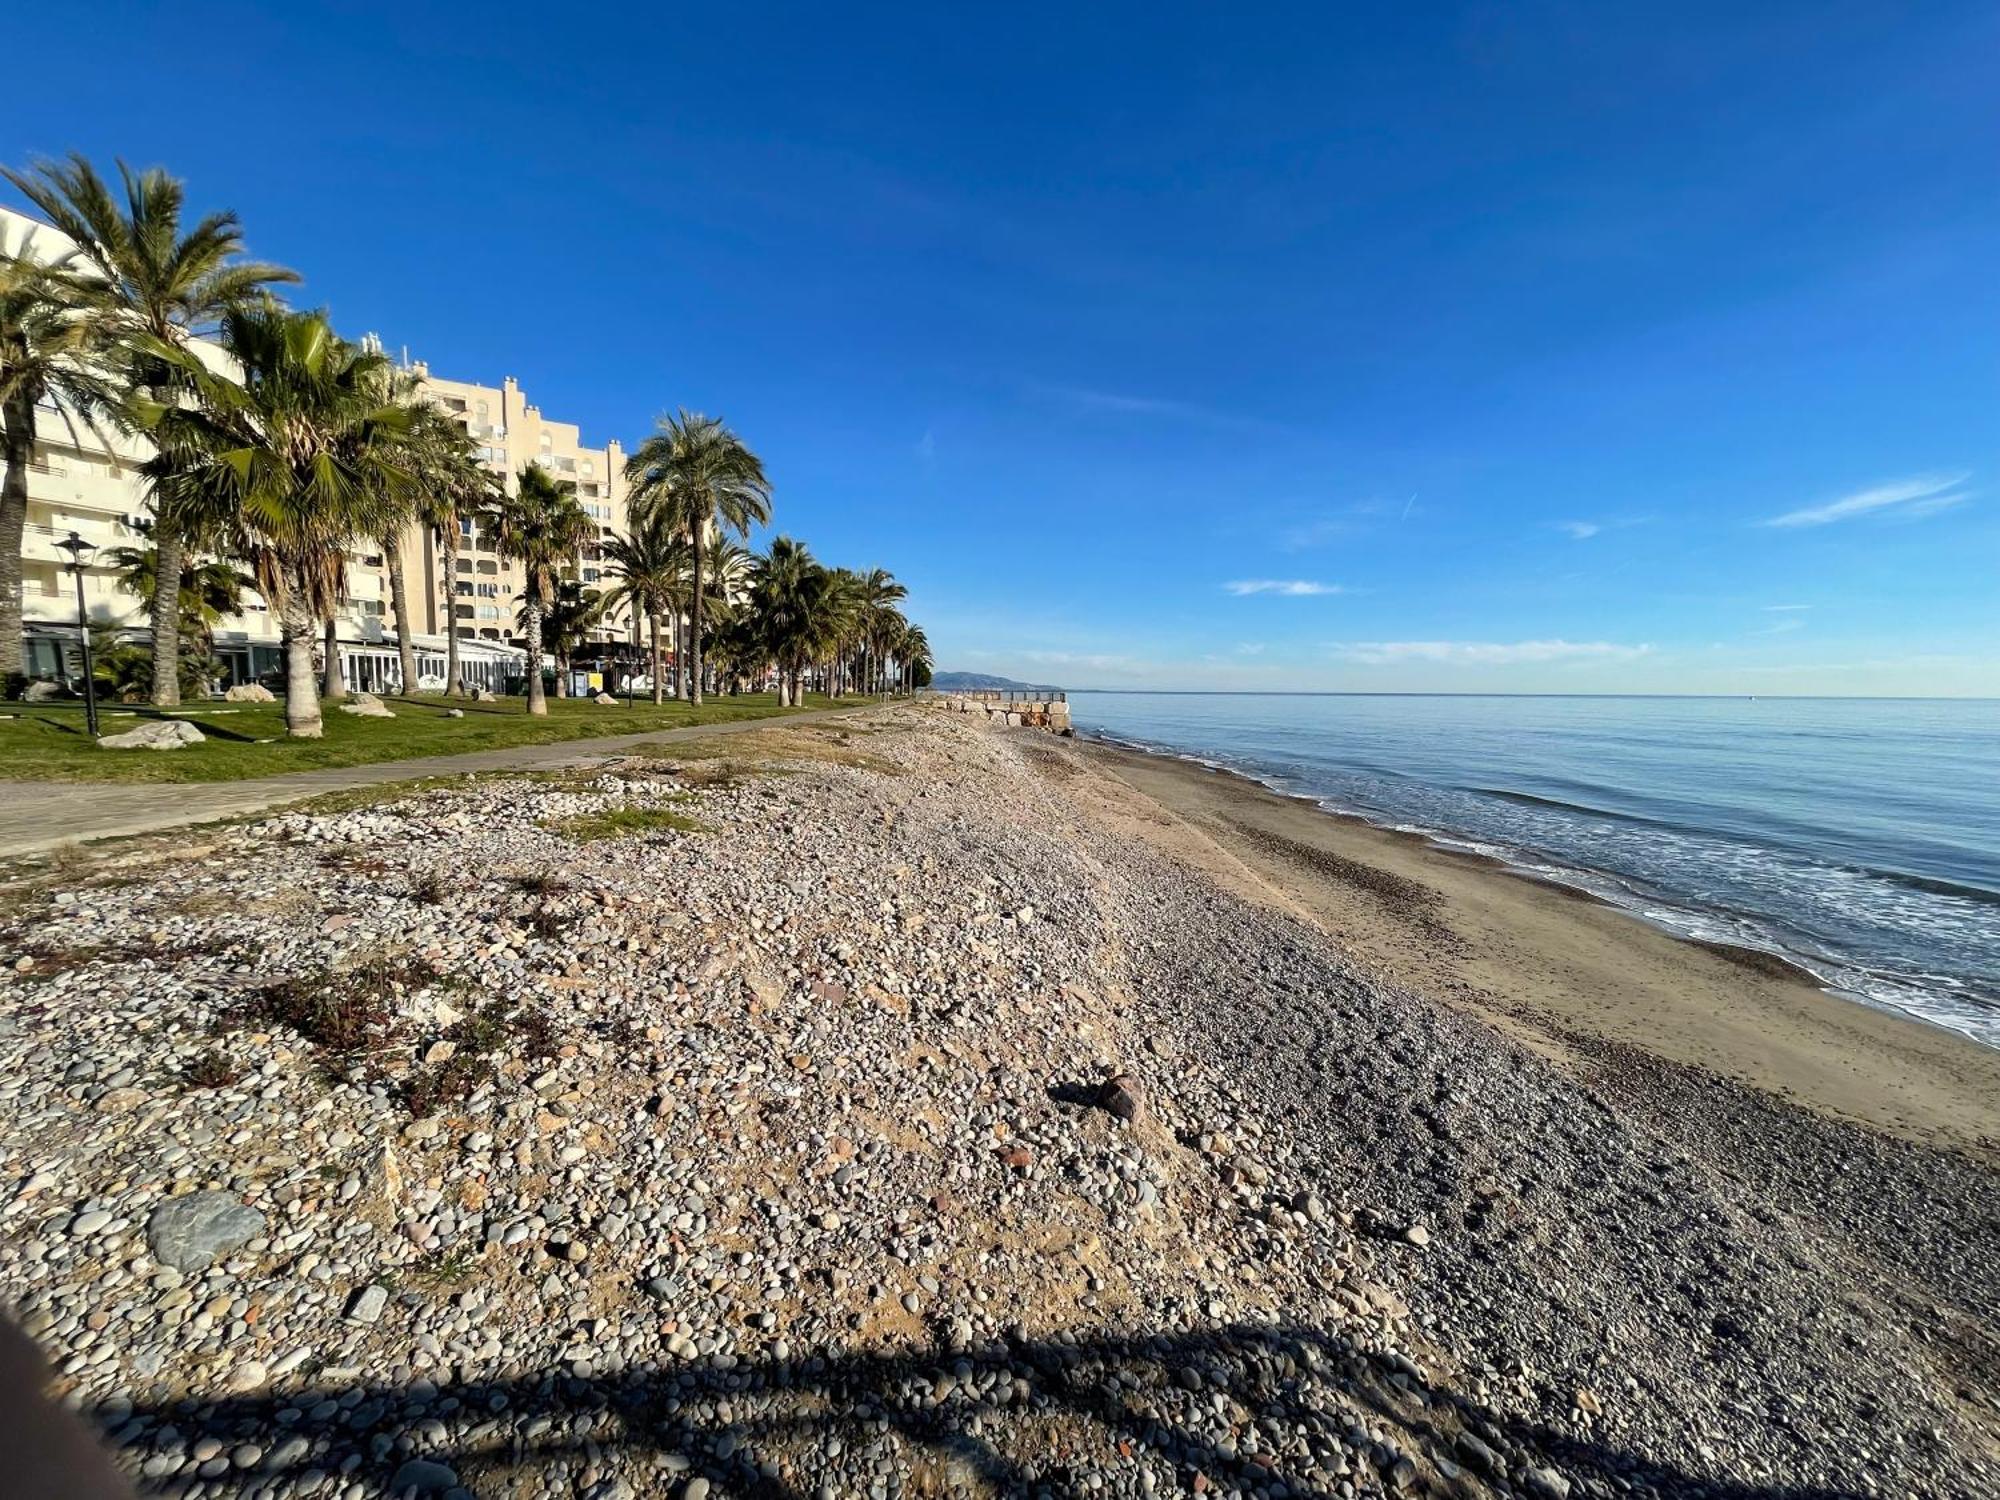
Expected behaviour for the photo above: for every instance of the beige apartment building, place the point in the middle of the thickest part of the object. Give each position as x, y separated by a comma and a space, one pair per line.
511, 433
84, 479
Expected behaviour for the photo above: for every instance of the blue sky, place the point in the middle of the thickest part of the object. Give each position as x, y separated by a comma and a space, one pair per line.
1416, 347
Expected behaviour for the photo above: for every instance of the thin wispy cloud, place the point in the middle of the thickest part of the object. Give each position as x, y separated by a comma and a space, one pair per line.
927, 446
1583, 531
1333, 526
1318, 533
1783, 625
1785, 609
1122, 403
1483, 653
1090, 660
1292, 588
1903, 499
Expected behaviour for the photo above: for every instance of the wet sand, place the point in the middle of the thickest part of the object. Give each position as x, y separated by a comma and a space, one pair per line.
1556, 968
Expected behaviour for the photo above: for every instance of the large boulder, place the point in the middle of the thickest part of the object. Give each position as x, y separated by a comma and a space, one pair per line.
1122, 1096
43, 692
250, 692
480, 695
155, 734
367, 706
188, 1233
604, 700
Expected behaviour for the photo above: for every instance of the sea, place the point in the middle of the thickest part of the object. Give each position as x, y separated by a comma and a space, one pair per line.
1857, 837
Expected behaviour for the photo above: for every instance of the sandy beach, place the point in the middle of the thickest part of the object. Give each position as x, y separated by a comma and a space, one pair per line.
907, 1106
1559, 970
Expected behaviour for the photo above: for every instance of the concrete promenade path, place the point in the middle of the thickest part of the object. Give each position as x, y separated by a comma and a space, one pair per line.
40, 815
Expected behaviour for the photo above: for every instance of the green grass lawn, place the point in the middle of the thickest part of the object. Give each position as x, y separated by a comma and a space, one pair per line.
48, 742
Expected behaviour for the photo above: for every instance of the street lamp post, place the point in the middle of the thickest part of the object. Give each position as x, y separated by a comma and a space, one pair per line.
79, 553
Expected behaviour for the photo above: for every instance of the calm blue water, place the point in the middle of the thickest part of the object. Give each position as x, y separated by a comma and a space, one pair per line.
1860, 837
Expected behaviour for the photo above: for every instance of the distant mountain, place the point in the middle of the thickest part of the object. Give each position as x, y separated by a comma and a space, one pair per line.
981, 682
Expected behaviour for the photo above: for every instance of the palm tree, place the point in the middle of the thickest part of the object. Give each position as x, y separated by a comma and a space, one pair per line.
883, 594
725, 578
303, 447
845, 613
788, 595
913, 652
150, 279
647, 564
210, 591
452, 487
51, 343
566, 624
542, 527
694, 474
737, 651
399, 509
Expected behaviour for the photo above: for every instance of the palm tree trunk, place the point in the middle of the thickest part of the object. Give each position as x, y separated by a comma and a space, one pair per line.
295, 624
694, 615
531, 626
17, 435
635, 642
168, 555
448, 541
333, 686
399, 601
657, 664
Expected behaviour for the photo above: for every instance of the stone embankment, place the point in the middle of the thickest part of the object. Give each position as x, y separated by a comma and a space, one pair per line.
1009, 710
863, 1115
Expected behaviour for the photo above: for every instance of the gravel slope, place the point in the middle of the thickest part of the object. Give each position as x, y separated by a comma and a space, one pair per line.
761, 1150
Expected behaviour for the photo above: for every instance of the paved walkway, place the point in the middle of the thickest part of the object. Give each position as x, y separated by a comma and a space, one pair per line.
41, 815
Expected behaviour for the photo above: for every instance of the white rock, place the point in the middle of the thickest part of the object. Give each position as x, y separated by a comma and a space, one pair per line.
154, 734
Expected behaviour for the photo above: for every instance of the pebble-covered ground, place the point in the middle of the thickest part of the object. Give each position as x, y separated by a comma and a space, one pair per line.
855, 1115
